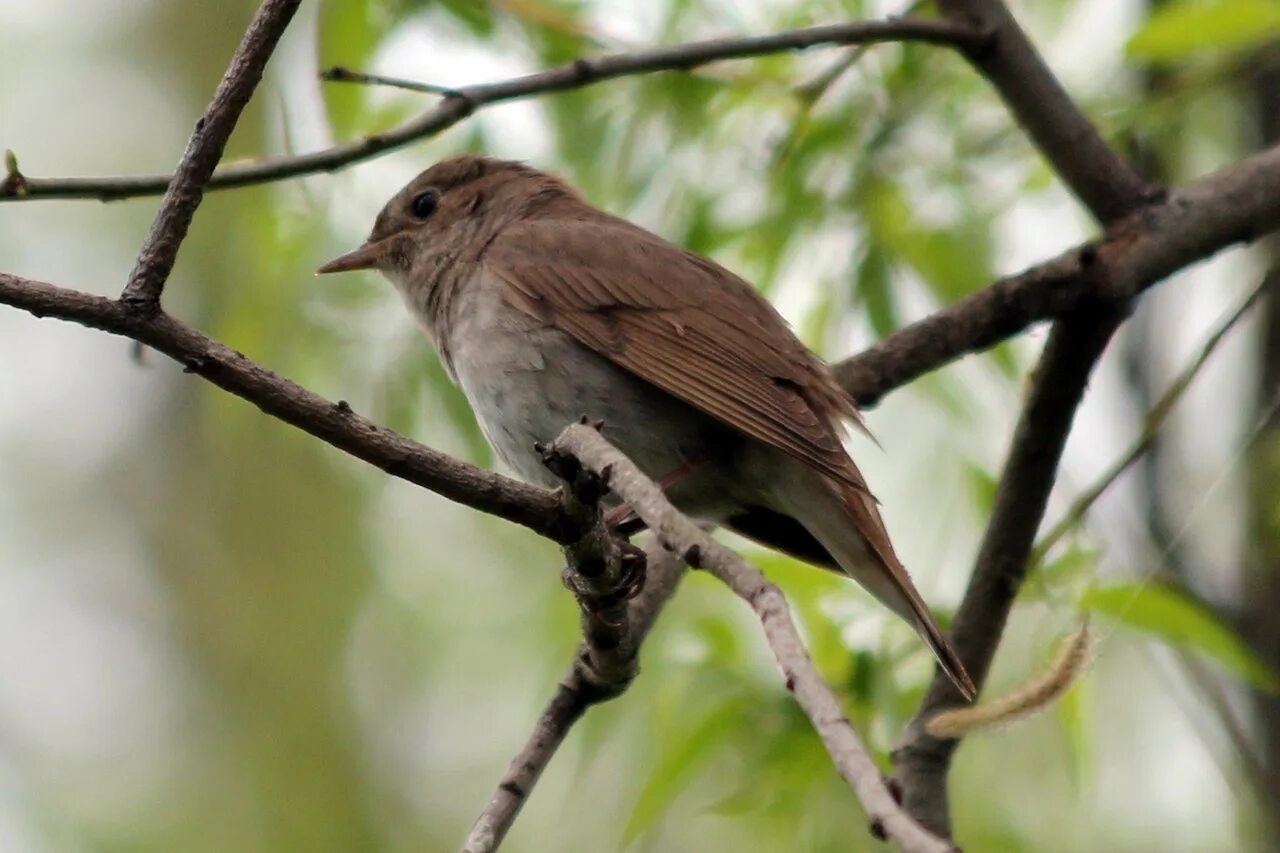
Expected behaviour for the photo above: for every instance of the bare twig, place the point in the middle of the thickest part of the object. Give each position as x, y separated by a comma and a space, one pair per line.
578, 690
204, 150
465, 100
338, 74
680, 535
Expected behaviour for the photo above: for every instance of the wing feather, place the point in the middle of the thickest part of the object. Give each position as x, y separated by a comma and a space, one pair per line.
683, 323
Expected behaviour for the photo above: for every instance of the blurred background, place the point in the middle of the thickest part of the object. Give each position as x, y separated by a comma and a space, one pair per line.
217, 633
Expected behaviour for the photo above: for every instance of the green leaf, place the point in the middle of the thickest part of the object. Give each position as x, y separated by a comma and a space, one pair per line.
1179, 620
1074, 722
1179, 30
872, 290
1070, 570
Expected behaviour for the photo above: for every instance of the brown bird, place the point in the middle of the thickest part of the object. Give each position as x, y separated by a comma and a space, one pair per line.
545, 309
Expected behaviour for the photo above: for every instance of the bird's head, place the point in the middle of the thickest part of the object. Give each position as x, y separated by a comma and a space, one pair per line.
448, 214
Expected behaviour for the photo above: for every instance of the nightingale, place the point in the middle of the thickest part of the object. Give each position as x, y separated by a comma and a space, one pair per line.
545, 309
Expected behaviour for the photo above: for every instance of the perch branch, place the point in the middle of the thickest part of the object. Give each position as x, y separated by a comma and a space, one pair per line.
678, 534
335, 423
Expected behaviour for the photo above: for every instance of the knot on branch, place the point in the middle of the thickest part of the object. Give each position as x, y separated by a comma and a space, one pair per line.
14, 183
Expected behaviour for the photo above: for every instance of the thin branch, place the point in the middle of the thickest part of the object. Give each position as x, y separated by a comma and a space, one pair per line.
577, 691
464, 101
678, 534
335, 423
204, 150
338, 74
1094, 171
1152, 423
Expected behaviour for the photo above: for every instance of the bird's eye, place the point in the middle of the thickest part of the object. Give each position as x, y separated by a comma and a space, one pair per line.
424, 204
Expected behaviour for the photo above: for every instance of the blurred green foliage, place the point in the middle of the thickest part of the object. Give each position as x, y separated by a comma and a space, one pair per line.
1193, 28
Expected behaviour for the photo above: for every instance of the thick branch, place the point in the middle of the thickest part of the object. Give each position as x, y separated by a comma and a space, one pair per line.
204, 150
1119, 267
1095, 172
1237, 203
466, 100
921, 760
678, 534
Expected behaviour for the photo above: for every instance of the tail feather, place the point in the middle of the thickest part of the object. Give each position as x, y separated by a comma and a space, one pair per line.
846, 524
889, 581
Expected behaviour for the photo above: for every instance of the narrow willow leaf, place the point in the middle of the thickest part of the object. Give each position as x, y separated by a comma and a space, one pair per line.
1180, 30
1177, 619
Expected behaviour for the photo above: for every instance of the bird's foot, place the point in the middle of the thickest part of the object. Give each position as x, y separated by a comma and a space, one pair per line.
623, 520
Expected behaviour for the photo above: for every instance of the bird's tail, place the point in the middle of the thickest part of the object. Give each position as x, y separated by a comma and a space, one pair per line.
847, 523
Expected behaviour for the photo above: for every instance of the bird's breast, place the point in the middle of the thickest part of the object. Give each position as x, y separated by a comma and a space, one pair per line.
527, 380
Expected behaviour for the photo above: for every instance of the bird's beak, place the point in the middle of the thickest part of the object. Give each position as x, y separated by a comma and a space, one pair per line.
364, 258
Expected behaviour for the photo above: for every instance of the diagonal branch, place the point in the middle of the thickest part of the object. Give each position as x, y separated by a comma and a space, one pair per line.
461, 102
335, 423
678, 534
204, 150
921, 760
1112, 191
1237, 203
1094, 171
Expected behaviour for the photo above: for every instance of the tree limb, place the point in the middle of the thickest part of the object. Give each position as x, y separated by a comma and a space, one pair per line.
335, 423
461, 102
1099, 176
1117, 197
1236, 203
204, 150
921, 761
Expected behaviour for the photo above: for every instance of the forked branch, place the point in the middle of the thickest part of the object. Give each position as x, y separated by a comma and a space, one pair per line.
681, 536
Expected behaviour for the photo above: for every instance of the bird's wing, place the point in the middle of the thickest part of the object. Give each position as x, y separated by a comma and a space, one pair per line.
681, 322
